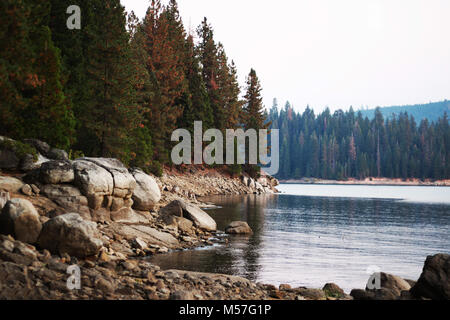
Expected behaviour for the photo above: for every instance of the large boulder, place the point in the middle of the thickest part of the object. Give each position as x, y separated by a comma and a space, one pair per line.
124, 183
380, 294
333, 290
10, 184
8, 159
20, 219
434, 282
94, 182
68, 197
391, 288
148, 234
393, 283
70, 234
179, 208
29, 162
200, 218
40, 146
147, 193
238, 227
57, 154
174, 208
55, 172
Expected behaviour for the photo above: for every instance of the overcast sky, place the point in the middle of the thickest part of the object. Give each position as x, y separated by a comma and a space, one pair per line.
332, 53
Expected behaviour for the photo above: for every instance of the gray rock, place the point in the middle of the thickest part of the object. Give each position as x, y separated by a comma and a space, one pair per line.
181, 295
69, 198
184, 224
55, 172
381, 294
147, 193
60, 190
94, 182
128, 215
36, 190
333, 290
8, 159
70, 234
124, 183
238, 227
179, 208
57, 154
138, 243
393, 283
434, 282
175, 208
200, 218
313, 294
10, 184
147, 234
28, 163
27, 190
20, 219
40, 146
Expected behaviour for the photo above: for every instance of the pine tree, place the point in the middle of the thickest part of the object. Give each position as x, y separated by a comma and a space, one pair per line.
113, 112
165, 66
34, 102
253, 112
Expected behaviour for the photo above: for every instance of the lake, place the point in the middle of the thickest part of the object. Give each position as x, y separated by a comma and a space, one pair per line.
313, 234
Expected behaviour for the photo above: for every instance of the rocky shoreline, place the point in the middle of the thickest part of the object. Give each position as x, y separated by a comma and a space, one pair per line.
104, 218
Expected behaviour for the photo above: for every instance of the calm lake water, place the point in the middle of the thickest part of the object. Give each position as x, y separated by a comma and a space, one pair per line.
313, 234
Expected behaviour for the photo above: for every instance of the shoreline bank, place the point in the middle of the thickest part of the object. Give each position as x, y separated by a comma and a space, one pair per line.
369, 182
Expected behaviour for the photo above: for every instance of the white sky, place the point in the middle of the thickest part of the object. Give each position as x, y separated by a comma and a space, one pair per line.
332, 53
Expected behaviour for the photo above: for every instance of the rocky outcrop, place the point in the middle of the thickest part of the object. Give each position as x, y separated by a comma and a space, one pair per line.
70, 234
434, 282
56, 172
20, 219
94, 182
123, 181
68, 197
238, 227
146, 194
107, 184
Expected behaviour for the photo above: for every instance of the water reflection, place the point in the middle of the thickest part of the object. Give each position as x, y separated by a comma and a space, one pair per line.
309, 241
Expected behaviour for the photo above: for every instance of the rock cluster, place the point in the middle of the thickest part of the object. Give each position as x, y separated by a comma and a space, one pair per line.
28, 273
434, 283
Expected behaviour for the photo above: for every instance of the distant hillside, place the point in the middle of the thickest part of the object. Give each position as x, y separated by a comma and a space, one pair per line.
431, 111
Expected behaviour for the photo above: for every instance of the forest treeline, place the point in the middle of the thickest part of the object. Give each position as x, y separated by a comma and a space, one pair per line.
349, 145
117, 87
431, 111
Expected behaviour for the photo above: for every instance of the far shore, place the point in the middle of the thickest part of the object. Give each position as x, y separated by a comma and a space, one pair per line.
371, 182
